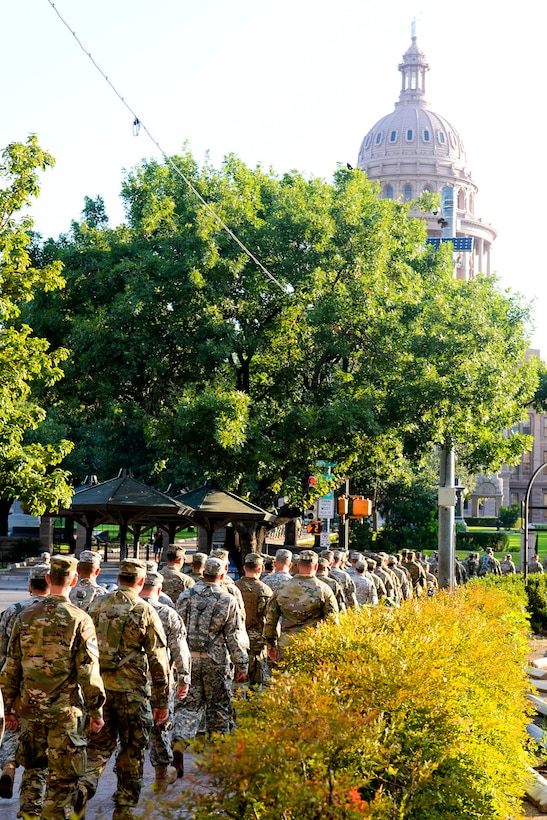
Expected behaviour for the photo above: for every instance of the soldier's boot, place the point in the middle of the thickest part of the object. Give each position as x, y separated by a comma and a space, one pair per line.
82, 796
6, 781
165, 775
178, 757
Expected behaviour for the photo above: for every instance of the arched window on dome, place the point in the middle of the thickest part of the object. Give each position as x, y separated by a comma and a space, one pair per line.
367, 141
409, 135
379, 136
388, 193
407, 193
393, 136
453, 142
461, 200
441, 137
426, 135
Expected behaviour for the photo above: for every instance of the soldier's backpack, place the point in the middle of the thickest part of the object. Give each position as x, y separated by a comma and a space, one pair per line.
250, 599
110, 626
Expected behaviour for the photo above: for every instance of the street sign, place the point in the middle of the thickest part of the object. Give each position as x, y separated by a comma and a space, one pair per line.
325, 506
324, 540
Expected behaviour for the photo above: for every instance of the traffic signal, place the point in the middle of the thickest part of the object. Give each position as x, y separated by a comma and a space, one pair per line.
314, 527
343, 505
359, 506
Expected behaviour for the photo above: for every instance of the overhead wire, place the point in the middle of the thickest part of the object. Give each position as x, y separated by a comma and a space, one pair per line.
137, 125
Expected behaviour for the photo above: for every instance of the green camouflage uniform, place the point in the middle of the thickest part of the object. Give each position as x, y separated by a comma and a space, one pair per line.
333, 584
175, 582
303, 601
255, 596
215, 636
130, 626
53, 660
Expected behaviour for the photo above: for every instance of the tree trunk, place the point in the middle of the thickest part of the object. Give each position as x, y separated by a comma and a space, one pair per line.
5, 505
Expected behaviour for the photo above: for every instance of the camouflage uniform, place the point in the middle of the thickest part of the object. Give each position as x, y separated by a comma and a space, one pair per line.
507, 567
85, 592
52, 661
535, 566
132, 649
303, 601
175, 582
471, 565
275, 580
255, 596
348, 586
365, 589
161, 753
419, 581
489, 564
333, 584
215, 636
405, 581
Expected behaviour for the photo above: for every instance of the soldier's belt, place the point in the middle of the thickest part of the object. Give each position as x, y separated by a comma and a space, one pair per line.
195, 654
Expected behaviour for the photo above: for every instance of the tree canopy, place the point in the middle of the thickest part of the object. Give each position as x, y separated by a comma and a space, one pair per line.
29, 455
188, 362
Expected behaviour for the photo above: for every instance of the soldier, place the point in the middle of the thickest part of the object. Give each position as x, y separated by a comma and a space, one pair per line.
215, 636
87, 588
489, 564
38, 588
419, 581
282, 570
161, 754
365, 588
227, 583
340, 575
198, 562
174, 580
471, 565
507, 568
52, 662
381, 590
534, 565
405, 581
255, 596
132, 650
322, 574
303, 601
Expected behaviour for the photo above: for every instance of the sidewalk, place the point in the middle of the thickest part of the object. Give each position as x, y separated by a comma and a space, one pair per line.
101, 806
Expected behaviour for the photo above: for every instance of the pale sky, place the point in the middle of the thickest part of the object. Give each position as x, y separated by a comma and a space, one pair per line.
294, 84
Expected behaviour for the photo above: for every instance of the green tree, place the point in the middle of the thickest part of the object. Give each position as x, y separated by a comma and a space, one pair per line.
189, 362
28, 455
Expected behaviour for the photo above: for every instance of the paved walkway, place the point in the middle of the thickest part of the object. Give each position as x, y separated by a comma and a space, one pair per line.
101, 806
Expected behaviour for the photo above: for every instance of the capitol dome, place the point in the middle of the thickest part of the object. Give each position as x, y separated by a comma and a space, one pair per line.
413, 150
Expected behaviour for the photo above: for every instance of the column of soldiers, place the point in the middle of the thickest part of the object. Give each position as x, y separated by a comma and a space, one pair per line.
149, 664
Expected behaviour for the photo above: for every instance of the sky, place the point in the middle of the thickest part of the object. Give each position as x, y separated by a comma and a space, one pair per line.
294, 84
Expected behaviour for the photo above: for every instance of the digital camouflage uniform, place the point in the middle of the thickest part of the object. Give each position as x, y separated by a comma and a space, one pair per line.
53, 661
508, 567
161, 753
275, 580
365, 589
132, 650
489, 565
347, 584
215, 636
85, 592
303, 601
333, 584
255, 596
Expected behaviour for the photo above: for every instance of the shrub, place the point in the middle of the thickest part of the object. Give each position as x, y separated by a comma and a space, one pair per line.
476, 541
414, 713
509, 515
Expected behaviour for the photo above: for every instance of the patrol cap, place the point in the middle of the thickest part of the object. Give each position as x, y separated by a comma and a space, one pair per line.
46, 557
322, 563
90, 557
283, 555
63, 565
199, 558
176, 549
39, 571
153, 577
360, 566
253, 559
392, 560
221, 554
328, 554
133, 566
308, 557
213, 567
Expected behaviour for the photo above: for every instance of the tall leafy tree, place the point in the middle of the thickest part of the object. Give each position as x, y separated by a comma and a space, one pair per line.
188, 361
29, 456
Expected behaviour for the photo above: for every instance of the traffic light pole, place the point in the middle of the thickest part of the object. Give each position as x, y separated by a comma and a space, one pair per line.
446, 572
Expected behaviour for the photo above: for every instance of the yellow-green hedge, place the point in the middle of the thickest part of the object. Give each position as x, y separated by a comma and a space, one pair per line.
412, 713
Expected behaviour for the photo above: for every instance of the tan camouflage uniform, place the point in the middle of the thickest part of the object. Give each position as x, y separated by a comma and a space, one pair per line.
255, 598
175, 582
52, 661
132, 649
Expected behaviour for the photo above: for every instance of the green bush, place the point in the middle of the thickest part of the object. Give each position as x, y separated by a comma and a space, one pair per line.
509, 515
417, 713
477, 541
471, 521
534, 594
